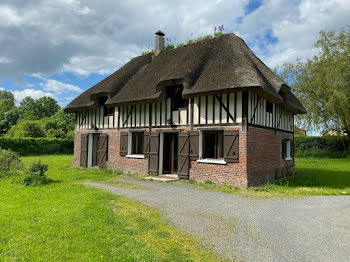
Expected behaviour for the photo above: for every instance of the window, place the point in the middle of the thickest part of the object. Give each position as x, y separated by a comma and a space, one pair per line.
213, 144
269, 107
108, 111
287, 149
177, 100
137, 143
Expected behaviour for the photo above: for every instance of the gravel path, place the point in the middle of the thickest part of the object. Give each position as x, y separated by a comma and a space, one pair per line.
252, 229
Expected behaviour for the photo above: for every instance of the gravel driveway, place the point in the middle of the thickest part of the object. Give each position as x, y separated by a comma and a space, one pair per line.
252, 229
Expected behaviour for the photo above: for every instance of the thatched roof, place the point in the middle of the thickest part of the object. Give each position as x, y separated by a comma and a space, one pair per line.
217, 65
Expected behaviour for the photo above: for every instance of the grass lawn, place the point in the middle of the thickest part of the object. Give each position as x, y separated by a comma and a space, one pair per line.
318, 176
67, 221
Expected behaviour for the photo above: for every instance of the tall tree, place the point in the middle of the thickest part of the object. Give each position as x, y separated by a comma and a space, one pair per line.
6, 95
322, 82
45, 107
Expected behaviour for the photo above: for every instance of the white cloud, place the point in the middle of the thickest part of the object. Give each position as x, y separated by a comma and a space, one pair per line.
59, 87
33, 93
295, 24
5, 60
1, 88
84, 37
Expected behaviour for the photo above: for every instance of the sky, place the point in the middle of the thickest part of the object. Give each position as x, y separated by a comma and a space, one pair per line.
59, 48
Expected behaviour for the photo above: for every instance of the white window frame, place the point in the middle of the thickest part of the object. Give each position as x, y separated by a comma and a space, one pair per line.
200, 153
288, 149
129, 154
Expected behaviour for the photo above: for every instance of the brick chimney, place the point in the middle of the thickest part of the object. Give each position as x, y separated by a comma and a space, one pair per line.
159, 47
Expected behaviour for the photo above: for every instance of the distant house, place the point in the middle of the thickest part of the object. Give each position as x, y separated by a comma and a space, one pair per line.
210, 110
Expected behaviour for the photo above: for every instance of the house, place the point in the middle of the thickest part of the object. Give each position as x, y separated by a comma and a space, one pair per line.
210, 110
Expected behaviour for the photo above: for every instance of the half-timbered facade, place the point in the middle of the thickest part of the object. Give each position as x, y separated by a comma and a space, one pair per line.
207, 111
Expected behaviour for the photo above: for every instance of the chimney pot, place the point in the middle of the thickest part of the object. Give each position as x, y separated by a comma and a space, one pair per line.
159, 45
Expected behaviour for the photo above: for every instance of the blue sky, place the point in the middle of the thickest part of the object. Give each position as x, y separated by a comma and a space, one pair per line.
60, 48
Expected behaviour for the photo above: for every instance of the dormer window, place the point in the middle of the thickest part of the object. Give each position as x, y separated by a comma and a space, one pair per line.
177, 101
107, 111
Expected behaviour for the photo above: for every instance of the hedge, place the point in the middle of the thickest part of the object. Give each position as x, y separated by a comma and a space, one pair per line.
37, 146
330, 146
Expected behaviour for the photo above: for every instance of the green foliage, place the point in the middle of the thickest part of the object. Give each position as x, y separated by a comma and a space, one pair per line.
6, 95
190, 41
330, 146
36, 146
36, 174
5, 105
169, 47
219, 33
10, 118
26, 128
148, 52
322, 83
10, 163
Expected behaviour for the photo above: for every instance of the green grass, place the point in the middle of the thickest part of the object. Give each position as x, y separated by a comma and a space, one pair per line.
67, 221
316, 176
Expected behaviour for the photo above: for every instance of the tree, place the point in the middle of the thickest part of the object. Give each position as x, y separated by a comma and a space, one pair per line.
27, 108
45, 107
6, 95
322, 83
38, 109
26, 128
10, 118
5, 105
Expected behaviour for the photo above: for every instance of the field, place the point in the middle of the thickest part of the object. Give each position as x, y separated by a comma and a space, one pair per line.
66, 221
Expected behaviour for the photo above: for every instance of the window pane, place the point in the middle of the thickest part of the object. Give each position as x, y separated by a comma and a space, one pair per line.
209, 145
137, 143
213, 144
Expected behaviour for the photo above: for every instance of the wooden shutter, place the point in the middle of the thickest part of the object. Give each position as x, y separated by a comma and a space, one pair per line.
183, 155
194, 145
84, 150
284, 148
146, 141
123, 143
153, 162
231, 146
102, 149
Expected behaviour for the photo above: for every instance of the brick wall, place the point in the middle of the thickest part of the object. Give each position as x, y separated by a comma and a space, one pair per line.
232, 173
265, 163
260, 159
115, 161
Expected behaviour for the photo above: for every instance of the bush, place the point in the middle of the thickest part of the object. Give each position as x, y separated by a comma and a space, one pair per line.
13, 169
10, 164
331, 146
26, 128
36, 175
37, 146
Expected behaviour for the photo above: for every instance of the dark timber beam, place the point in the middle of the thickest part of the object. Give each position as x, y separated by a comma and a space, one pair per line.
225, 108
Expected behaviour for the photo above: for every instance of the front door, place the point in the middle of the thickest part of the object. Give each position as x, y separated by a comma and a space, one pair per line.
170, 157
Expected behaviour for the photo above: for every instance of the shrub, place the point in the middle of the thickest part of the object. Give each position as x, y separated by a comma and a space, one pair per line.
13, 169
26, 128
331, 146
36, 174
37, 146
10, 163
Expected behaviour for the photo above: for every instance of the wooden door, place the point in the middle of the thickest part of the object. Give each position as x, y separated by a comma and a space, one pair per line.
84, 150
183, 156
102, 150
153, 162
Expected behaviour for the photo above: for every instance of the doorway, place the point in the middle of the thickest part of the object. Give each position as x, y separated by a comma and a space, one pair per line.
170, 156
